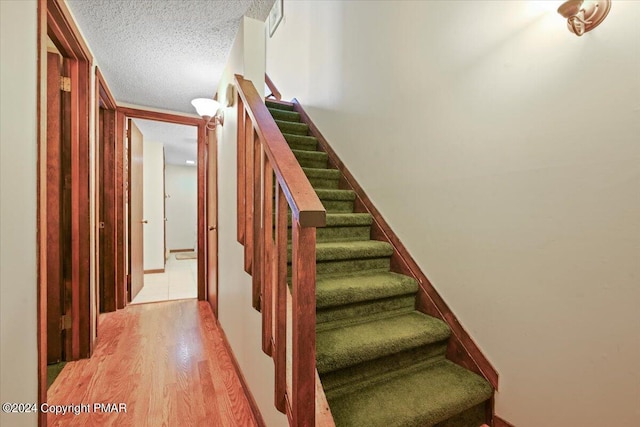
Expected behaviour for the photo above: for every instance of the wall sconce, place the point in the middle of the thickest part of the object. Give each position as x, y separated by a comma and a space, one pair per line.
208, 108
230, 95
583, 16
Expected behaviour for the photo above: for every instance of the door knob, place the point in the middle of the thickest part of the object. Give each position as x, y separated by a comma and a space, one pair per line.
144, 221
211, 228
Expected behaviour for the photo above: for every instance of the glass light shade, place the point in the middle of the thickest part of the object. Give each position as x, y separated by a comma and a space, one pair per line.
206, 107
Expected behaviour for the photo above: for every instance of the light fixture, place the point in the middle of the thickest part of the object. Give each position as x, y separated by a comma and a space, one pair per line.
230, 95
583, 16
190, 162
207, 108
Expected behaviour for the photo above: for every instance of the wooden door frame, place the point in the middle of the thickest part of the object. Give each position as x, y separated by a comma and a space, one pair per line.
66, 36
135, 209
141, 113
212, 156
109, 160
55, 302
54, 21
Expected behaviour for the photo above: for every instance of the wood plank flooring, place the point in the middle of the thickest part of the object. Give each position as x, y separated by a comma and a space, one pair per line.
166, 361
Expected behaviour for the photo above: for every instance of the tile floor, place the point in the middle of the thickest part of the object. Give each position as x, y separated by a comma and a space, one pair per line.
177, 282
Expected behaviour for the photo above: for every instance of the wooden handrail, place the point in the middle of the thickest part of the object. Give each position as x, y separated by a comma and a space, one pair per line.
272, 87
305, 205
288, 314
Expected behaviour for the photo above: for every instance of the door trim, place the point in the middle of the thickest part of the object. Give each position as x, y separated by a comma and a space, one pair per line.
55, 301
135, 211
212, 180
54, 20
177, 118
108, 163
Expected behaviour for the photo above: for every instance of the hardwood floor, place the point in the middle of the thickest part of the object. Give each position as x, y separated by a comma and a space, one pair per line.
166, 361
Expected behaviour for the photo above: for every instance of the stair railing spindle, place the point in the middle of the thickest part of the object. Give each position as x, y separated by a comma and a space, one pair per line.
249, 135
241, 173
267, 256
280, 352
256, 263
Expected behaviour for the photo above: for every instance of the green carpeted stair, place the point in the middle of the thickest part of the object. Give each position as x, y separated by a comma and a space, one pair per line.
381, 362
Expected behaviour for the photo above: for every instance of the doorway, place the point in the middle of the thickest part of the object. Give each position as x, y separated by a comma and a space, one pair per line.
109, 199
125, 113
169, 214
59, 215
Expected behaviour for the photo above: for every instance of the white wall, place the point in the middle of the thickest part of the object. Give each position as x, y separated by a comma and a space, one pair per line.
241, 323
182, 214
505, 153
18, 161
153, 204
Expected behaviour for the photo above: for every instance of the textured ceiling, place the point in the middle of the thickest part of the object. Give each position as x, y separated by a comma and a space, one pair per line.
180, 141
163, 53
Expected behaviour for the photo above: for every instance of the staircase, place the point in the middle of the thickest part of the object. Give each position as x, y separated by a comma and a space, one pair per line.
381, 362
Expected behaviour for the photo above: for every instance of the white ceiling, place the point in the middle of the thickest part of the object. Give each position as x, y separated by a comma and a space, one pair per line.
163, 53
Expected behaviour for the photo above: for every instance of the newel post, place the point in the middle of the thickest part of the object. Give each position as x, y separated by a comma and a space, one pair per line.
304, 325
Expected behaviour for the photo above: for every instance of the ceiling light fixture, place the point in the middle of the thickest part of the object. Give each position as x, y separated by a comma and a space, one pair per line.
583, 16
190, 162
208, 108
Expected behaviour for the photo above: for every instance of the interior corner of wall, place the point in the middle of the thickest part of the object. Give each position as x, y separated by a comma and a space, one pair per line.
251, 21
254, 53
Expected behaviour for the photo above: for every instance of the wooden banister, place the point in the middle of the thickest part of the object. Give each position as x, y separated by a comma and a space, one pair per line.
272, 87
305, 204
288, 314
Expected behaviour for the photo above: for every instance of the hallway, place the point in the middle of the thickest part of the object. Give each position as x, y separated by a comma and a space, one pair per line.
167, 362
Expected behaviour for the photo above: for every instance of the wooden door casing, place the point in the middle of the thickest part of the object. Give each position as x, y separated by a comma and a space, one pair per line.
212, 221
106, 211
69, 223
136, 224
54, 249
55, 25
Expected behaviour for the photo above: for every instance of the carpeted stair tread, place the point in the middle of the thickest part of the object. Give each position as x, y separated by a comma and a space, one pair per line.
301, 142
348, 346
284, 115
321, 172
350, 266
278, 105
339, 251
344, 382
292, 127
342, 219
334, 251
336, 291
431, 395
331, 194
335, 200
342, 227
311, 159
341, 316
348, 219
323, 177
